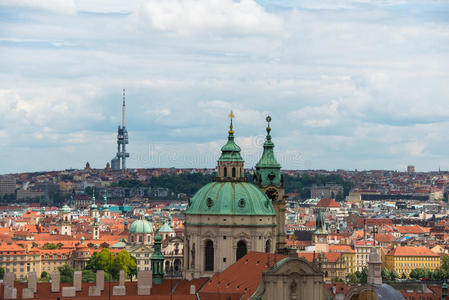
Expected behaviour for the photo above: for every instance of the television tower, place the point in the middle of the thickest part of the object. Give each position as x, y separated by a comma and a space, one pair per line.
122, 141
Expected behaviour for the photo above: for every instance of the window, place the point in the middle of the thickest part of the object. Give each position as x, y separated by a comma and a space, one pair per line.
268, 246
233, 172
225, 170
209, 256
241, 250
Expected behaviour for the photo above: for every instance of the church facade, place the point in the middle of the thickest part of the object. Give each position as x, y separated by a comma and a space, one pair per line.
230, 217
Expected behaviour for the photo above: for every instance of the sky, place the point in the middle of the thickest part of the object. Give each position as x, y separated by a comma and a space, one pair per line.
349, 84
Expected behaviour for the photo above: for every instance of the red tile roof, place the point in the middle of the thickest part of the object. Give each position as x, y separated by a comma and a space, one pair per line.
242, 278
327, 202
411, 251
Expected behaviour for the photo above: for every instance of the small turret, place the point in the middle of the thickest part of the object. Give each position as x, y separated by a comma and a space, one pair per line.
157, 260
230, 163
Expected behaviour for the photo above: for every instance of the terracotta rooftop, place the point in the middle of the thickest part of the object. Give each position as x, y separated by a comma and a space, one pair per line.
241, 279
412, 251
327, 202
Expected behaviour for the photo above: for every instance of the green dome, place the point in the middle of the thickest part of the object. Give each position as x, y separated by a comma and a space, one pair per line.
166, 228
65, 209
230, 198
141, 226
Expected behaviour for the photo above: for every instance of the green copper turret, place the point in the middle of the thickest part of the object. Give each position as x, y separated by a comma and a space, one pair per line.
230, 151
268, 170
157, 260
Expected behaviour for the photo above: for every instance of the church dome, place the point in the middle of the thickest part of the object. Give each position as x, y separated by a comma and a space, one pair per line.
141, 226
166, 228
230, 198
65, 209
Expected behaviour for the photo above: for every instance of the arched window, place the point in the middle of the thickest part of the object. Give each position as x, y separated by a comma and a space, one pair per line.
140, 239
225, 171
233, 172
209, 256
177, 265
167, 266
241, 249
268, 246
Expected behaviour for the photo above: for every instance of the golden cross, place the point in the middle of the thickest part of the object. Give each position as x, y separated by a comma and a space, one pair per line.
231, 115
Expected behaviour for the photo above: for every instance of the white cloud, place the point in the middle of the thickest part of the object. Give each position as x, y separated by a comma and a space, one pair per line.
188, 17
55, 6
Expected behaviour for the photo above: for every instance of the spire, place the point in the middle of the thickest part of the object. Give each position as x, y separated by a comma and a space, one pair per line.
231, 116
93, 196
230, 151
123, 110
268, 170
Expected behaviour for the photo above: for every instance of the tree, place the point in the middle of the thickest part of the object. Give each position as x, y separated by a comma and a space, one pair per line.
385, 274
352, 278
445, 263
100, 261
122, 261
44, 275
394, 275
364, 275
2, 272
89, 276
418, 273
105, 260
403, 276
133, 269
50, 246
66, 273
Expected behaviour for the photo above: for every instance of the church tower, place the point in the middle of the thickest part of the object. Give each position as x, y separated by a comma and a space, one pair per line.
269, 178
66, 221
226, 218
105, 208
96, 229
320, 236
93, 209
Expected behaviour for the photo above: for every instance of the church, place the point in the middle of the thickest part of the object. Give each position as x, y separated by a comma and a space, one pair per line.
230, 216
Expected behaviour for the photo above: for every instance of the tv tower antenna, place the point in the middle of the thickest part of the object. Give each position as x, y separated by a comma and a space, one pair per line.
122, 141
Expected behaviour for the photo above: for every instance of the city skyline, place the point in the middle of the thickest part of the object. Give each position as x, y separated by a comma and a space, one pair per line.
349, 84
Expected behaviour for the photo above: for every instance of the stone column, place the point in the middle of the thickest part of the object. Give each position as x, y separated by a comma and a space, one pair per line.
121, 281
144, 283
55, 282
77, 279
9, 291
8, 279
32, 281
99, 282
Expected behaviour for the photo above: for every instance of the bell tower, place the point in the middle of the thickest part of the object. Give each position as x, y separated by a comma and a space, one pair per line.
320, 237
269, 178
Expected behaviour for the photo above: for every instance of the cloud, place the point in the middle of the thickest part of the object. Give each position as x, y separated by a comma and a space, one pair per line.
188, 17
349, 84
54, 6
